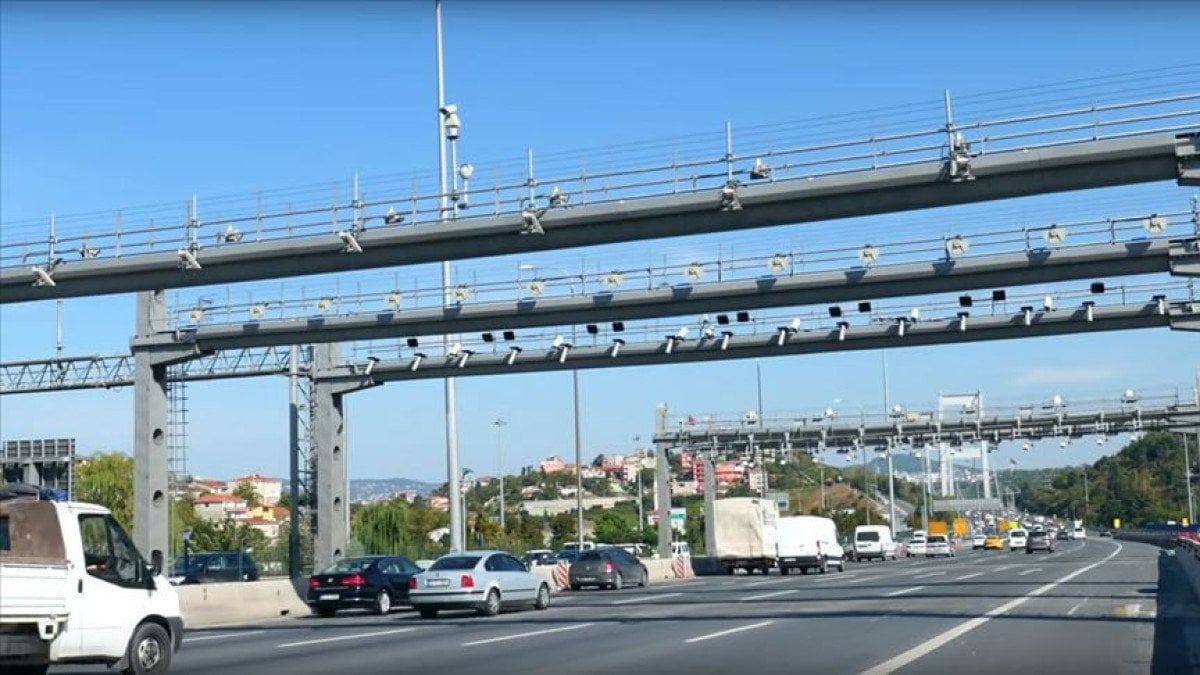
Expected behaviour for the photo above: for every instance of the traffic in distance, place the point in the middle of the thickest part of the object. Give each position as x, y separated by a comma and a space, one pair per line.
126, 612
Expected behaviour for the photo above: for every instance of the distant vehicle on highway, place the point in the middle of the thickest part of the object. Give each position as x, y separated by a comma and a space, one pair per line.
938, 545
1106, 533
978, 541
567, 555
483, 581
611, 568
1079, 533
539, 556
873, 541
1016, 539
377, 583
1062, 535
808, 543
917, 546
993, 542
1039, 541
210, 567
746, 530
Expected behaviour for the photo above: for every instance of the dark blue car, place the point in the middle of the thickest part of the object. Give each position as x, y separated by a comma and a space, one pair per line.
377, 583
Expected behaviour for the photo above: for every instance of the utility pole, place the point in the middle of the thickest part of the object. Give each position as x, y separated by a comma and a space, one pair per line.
500, 424
890, 447
641, 499
1086, 498
457, 531
1187, 479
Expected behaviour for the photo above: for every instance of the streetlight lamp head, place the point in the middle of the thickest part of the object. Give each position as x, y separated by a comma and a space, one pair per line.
465, 171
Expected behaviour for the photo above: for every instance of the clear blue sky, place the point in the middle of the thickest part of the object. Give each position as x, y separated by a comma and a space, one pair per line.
105, 105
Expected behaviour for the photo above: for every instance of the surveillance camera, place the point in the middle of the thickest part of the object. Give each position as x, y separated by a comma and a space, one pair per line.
448, 109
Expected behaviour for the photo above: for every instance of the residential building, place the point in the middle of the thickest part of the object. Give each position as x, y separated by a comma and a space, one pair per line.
269, 490
213, 508
551, 465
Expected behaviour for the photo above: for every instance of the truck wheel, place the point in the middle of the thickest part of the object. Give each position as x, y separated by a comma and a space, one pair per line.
149, 652
804, 570
784, 570
27, 670
824, 566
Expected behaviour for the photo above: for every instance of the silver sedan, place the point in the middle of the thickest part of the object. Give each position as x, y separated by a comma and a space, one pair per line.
483, 581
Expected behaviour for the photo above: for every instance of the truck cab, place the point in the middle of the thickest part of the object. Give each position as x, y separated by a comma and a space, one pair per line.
76, 590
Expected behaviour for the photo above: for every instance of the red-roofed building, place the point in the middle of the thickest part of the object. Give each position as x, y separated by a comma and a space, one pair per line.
269, 490
220, 507
551, 465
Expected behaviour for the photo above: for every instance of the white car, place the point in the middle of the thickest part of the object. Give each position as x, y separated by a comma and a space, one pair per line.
938, 544
1080, 533
1016, 540
917, 547
977, 541
484, 581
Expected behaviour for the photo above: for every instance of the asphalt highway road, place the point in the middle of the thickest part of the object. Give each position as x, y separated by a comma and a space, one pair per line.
1095, 606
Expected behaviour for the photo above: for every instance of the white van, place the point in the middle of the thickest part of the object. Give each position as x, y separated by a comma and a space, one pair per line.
76, 590
1016, 539
808, 543
874, 541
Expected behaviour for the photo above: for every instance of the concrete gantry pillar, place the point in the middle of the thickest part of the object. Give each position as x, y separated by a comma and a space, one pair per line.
151, 465
662, 483
329, 457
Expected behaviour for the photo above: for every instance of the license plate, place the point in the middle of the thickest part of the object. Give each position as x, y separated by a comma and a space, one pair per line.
438, 582
587, 578
329, 596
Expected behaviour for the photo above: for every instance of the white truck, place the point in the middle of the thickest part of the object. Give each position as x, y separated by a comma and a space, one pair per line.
746, 534
808, 543
75, 590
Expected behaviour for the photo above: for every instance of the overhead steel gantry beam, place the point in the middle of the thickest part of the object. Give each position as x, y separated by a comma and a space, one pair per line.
863, 283
115, 371
1177, 315
1100, 163
1033, 424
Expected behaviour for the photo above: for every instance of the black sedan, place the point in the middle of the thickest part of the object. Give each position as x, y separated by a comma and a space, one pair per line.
210, 567
374, 582
607, 568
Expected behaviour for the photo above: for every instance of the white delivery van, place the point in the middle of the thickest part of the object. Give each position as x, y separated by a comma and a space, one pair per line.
874, 541
76, 590
808, 543
746, 533
1016, 539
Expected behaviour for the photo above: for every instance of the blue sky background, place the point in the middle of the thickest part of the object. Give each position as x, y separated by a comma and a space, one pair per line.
104, 105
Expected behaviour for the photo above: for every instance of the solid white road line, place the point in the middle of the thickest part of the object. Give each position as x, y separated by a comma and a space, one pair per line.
643, 598
969, 576
899, 661
356, 636
929, 574
221, 636
773, 594
731, 631
903, 591
535, 633
1036, 569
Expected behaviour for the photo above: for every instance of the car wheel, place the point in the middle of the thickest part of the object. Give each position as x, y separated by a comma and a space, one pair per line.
841, 566
326, 612
543, 597
619, 583
491, 604
824, 566
427, 613
149, 652
383, 603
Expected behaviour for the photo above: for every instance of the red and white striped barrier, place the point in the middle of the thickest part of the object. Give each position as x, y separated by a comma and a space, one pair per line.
560, 576
681, 568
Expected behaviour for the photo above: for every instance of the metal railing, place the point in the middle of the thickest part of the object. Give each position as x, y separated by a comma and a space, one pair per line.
796, 151
386, 293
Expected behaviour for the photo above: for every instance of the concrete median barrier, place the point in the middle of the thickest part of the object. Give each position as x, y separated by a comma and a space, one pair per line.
1188, 556
208, 605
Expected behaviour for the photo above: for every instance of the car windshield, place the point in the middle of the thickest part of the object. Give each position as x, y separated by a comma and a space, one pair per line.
591, 555
457, 562
350, 565
192, 562
937, 540
867, 536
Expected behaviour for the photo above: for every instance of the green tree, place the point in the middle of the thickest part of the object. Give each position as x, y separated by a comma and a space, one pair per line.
612, 527
247, 492
227, 535
562, 529
107, 479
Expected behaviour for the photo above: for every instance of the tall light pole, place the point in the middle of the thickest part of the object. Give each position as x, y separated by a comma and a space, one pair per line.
457, 531
762, 463
500, 424
641, 498
891, 465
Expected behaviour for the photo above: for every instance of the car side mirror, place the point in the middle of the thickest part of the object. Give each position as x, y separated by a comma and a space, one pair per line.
156, 562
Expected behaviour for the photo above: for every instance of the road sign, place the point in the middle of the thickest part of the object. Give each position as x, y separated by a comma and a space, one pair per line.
679, 519
940, 505
1116, 523
186, 535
